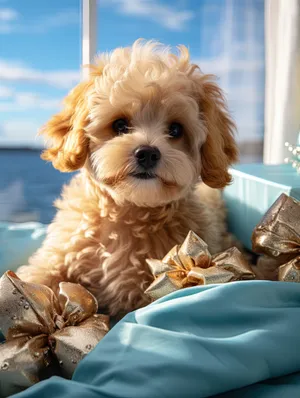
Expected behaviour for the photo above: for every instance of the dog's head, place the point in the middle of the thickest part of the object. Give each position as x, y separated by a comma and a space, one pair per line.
147, 124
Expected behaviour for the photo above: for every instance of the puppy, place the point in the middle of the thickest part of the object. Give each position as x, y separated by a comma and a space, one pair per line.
143, 129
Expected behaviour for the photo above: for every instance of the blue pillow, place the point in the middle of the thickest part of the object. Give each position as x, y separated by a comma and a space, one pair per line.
196, 342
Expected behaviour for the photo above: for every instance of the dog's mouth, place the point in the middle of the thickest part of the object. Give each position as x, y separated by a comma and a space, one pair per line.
114, 180
144, 176
151, 176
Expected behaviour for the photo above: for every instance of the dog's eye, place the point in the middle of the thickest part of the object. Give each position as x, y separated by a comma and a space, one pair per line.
175, 130
120, 126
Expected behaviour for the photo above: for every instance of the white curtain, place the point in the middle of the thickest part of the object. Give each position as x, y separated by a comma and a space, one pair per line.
282, 95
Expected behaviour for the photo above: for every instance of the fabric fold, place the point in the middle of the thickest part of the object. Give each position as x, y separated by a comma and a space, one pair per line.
196, 342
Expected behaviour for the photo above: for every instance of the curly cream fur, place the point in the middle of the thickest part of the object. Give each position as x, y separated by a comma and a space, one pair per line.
108, 222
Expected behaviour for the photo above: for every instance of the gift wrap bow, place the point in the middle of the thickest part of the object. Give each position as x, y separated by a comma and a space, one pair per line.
45, 335
191, 264
278, 236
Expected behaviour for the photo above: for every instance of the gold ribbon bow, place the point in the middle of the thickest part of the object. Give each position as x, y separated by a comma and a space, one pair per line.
278, 236
45, 335
191, 264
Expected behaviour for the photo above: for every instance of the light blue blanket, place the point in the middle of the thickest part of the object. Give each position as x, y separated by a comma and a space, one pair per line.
220, 340
197, 342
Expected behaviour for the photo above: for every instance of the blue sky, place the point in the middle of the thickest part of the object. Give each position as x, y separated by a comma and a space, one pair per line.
40, 52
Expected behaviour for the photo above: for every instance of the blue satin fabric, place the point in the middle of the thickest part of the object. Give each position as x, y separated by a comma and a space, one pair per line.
219, 340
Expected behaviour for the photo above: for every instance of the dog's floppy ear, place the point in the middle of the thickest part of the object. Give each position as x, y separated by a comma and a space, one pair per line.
219, 150
66, 132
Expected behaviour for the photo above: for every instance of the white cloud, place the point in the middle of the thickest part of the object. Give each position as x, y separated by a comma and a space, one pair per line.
20, 132
11, 21
5, 92
8, 14
12, 71
23, 101
8, 18
12, 100
60, 19
165, 15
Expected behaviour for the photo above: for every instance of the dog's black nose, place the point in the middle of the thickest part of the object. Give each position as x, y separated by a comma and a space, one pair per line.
147, 156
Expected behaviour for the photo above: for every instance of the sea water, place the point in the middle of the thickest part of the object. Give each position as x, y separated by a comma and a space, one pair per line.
28, 186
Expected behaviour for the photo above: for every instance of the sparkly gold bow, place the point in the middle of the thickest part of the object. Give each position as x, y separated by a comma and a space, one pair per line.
191, 264
278, 236
45, 335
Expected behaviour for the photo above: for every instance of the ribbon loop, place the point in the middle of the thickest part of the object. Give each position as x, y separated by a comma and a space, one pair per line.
191, 264
278, 233
45, 335
278, 236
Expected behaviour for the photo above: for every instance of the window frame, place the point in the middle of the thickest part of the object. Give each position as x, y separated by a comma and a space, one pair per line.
88, 33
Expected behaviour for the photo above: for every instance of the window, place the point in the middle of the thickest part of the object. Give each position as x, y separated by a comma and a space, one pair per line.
39, 62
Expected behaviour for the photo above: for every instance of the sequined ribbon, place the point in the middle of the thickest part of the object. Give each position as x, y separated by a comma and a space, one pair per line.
45, 335
278, 236
191, 264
